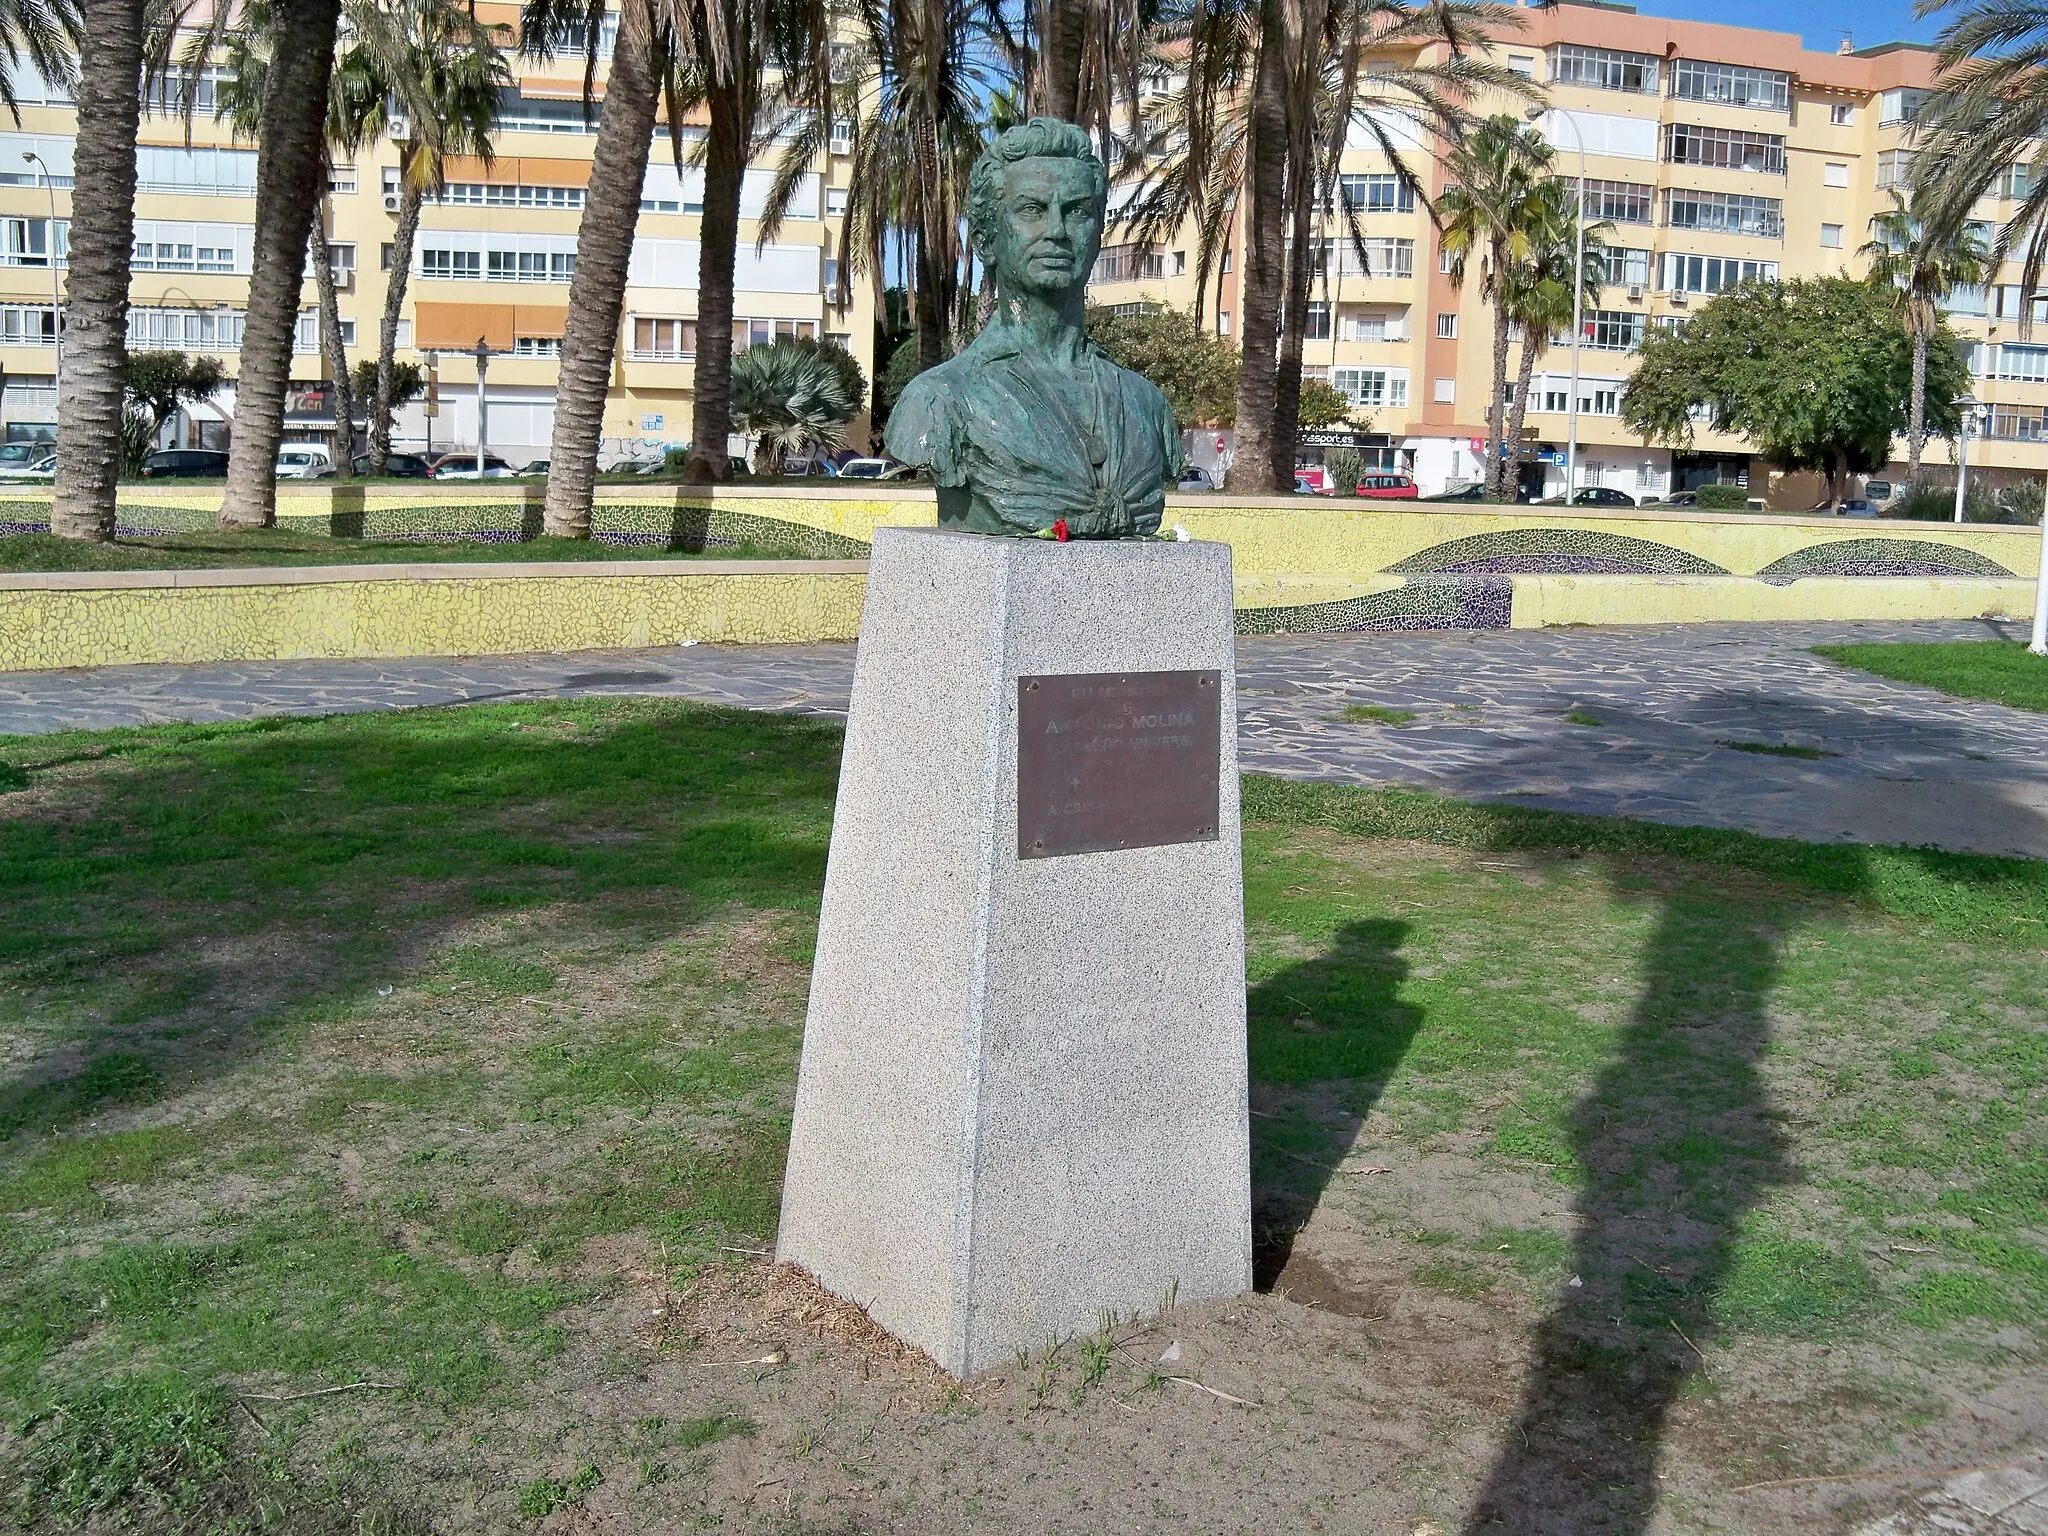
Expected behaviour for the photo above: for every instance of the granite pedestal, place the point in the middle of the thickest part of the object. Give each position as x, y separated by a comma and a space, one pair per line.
1022, 1097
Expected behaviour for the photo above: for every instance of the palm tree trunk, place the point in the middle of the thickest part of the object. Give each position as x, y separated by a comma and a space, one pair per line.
932, 329
1255, 467
291, 171
1496, 425
1916, 434
1293, 327
1062, 34
95, 319
725, 163
1518, 413
394, 305
335, 354
597, 293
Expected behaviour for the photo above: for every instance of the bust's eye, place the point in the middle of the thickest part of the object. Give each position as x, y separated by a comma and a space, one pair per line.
1031, 207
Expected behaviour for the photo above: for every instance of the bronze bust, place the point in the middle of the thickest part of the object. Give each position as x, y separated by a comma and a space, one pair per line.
1032, 425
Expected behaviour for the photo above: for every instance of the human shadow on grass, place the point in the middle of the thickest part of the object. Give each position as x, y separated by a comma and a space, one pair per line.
209, 886
1330, 1032
1672, 1147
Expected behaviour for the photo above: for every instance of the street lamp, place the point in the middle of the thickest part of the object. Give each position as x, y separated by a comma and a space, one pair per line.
2038, 644
1969, 409
30, 157
1571, 450
483, 362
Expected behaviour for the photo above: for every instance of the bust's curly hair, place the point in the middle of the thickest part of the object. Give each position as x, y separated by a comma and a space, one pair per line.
1043, 138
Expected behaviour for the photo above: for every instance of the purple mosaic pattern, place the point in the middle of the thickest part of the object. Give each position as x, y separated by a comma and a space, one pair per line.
1545, 551
1880, 557
121, 530
1459, 602
1540, 564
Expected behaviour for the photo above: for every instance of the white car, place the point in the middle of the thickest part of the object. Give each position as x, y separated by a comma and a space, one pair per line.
28, 461
303, 461
462, 466
874, 469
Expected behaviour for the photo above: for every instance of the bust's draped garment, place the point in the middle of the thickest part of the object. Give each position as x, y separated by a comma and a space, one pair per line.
1011, 455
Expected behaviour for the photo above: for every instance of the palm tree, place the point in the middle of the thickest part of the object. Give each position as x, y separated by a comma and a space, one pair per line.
1921, 264
1491, 214
1538, 292
291, 170
798, 395
90, 394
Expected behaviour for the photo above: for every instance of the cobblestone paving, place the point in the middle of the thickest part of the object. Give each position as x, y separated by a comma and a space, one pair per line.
1630, 722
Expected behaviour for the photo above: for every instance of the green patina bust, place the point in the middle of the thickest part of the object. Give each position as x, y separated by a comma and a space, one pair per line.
1032, 424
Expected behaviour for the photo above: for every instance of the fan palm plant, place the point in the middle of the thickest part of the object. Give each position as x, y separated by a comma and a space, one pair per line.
796, 396
1538, 292
1920, 264
1491, 216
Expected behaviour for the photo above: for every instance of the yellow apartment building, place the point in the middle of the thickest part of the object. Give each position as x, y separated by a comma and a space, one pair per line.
492, 262
1716, 154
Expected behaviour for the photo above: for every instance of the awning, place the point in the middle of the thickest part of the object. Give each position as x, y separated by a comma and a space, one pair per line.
458, 327
519, 170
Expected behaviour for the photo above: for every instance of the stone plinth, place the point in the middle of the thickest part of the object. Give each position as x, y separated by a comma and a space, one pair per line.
1022, 1099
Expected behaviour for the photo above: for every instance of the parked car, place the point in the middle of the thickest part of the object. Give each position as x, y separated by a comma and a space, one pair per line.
303, 461
1682, 499
1313, 480
1473, 492
1387, 487
37, 462
1602, 496
874, 469
1195, 478
1303, 486
462, 466
1882, 493
184, 463
1852, 506
400, 466
534, 467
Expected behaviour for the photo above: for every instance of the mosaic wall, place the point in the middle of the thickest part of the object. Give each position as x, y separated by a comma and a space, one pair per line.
1555, 551
132, 521
1880, 557
1459, 602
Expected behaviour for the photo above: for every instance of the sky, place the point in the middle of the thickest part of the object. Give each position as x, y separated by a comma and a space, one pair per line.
1820, 22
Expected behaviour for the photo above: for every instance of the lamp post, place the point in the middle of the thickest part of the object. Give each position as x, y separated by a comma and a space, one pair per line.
1969, 409
483, 363
2038, 644
30, 157
1571, 449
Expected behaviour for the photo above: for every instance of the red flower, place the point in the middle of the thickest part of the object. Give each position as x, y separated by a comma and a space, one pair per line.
1059, 529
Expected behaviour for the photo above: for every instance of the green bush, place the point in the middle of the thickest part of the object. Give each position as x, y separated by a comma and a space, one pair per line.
673, 461
1926, 501
1723, 498
1346, 467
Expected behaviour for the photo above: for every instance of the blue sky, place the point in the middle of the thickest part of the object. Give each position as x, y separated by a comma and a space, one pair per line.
1820, 22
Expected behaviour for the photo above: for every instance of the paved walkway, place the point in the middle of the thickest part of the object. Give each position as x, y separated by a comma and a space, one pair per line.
1900, 764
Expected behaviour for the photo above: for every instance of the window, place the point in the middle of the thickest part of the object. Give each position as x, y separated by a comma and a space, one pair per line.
1444, 261
341, 261
835, 202
2021, 423
28, 242
1445, 391
306, 335
841, 142
537, 346
1374, 256
1127, 263
391, 181
497, 194
206, 172
178, 87
1728, 213
831, 288
1834, 175
1601, 402
543, 114
1732, 84
2028, 365
1894, 167
762, 333
1900, 106
1523, 64
166, 246
1614, 330
1222, 322
185, 330
1619, 202
386, 253
1712, 274
1316, 324
2013, 182
1179, 264
35, 325
530, 266
1964, 300
1376, 194
341, 178
1733, 149
1225, 266
664, 340
1831, 236
1841, 114
453, 264
1603, 69
1136, 307
1626, 267
1447, 327
1371, 386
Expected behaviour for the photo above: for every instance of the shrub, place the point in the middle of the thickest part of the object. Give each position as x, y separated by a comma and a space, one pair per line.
673, 461
1926, 501
1723, 498
1346, 467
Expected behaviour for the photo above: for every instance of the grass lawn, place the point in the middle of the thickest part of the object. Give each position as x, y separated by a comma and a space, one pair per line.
444, 1058
2002, 671
285, 546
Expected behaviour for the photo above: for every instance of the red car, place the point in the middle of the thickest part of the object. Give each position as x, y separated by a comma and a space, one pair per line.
1387, 487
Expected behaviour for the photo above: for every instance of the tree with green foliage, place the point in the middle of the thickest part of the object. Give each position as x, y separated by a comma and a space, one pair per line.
1817, 373
1919, 264
1195, 369
1320, 405
408, 383
155, 385
796, 395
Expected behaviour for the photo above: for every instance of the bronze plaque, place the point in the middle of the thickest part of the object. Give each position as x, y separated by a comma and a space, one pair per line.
1117, 760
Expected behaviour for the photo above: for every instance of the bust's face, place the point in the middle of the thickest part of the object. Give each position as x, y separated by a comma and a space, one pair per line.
1052, 227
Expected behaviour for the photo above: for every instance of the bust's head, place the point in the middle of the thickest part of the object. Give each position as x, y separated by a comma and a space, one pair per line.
1035, 209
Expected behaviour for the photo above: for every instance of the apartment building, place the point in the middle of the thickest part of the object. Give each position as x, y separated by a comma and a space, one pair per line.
1717, 154
491, 264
